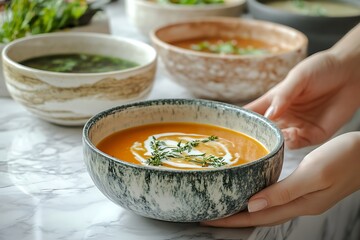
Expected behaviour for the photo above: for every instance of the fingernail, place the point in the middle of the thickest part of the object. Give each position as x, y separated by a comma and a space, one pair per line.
257, 205
269, 112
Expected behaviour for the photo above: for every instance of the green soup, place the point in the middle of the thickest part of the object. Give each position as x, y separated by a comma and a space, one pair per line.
78, 63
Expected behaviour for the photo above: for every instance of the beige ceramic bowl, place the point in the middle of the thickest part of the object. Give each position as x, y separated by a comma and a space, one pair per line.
232, 78
72, 98
147, 15
99, 24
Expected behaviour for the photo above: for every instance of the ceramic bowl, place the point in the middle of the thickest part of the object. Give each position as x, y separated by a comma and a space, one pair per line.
231, 78
72, 98
187, 195
315, 28
147, 15
99, 24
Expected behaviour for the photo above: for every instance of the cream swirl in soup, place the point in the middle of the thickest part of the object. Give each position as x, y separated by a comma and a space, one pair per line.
221, 148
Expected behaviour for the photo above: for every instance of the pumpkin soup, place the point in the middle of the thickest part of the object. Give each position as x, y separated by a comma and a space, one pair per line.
182, 146
234, 46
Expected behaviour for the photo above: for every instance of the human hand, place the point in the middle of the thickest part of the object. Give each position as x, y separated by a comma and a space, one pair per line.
317, 97
325, 176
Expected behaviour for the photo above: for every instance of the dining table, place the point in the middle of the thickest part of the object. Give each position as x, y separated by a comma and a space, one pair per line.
46, 192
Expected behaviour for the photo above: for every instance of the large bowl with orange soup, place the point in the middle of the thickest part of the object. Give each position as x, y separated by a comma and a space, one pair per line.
182, 160
228, 59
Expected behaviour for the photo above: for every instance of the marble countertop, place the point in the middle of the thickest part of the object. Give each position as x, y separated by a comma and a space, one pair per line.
46, 192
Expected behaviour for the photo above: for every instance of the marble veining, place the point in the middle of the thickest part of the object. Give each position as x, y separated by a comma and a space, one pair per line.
46, 193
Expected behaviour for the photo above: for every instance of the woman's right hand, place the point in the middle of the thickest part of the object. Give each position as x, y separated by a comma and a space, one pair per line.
318, 96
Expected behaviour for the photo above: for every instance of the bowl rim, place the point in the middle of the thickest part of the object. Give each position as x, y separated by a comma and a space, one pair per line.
264, 7
92, 121
157, 41
144, 46
226, 5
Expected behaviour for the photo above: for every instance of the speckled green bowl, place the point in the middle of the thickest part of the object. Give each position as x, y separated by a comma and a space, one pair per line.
175, 195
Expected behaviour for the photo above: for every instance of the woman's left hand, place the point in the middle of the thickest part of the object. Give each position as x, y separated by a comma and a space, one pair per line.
324, 177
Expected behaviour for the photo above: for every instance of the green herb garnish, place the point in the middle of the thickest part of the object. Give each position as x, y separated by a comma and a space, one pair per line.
228, 47
161, 152
191, 2
28, 17
307, 8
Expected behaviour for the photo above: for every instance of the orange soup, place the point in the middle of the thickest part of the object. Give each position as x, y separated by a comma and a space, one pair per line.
182, 146
233, 46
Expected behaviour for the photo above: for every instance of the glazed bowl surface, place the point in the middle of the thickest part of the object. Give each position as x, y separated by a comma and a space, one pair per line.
181, 195
72, 98
99, 24
147, 15
230, 78
322, 31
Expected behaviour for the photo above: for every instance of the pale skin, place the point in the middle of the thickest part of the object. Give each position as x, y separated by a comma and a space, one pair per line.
317, 97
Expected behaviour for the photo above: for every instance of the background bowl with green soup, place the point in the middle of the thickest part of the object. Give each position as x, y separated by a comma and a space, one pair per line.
66, 78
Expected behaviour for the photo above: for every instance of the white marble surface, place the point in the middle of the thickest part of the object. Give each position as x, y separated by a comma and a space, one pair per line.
46, 193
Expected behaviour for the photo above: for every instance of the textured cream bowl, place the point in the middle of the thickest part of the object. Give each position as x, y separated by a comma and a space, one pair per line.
147, 15
231, 78
72, 98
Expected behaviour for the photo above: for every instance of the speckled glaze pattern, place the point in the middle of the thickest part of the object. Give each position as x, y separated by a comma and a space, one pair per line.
71, 98
181, 196
147, 15
229, 78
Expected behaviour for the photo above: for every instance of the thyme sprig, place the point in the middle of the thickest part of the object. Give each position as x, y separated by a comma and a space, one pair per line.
161, 152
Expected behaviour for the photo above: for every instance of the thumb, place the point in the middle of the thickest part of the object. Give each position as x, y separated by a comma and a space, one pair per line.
299, 183
285, 94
